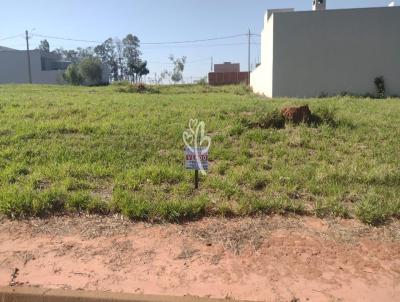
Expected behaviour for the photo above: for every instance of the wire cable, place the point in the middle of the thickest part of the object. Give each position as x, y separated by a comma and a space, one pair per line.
11, 37
146, 43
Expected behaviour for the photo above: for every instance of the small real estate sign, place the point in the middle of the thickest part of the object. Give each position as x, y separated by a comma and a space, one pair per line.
196, 158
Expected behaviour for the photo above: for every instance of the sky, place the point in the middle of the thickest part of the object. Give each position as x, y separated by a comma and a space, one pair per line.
153, 21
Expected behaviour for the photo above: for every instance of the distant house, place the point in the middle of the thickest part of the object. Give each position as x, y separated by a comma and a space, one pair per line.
227, 73
46, 68
328, 52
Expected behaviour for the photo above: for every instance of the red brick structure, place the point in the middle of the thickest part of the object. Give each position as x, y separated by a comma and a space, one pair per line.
227, 78
227, 74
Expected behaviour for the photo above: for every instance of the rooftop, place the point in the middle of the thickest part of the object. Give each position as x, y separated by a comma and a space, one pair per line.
2, 48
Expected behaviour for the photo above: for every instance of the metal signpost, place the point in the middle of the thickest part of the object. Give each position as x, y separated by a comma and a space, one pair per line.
196, 159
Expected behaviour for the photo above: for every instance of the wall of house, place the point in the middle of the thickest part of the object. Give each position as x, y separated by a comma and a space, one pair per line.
228, 78
227, 67
335, 51
14, 68
261, 78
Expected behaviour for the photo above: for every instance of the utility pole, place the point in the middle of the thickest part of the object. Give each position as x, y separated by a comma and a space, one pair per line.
29, 57
249, 57
212, 64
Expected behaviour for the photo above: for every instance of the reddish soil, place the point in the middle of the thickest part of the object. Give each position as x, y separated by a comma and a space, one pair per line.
260, 259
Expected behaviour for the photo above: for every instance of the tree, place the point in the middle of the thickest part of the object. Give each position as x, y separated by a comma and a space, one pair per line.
44, 46
179, 66
164, 75
120, 58
123, 58
142, 70
84, 52
72, 75
87, 72
75, 56
91, 71
131, 54
106, 52
68, 55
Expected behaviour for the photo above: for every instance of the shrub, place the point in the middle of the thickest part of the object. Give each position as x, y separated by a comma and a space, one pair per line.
91, 71
380, 87
72, 75
88, 72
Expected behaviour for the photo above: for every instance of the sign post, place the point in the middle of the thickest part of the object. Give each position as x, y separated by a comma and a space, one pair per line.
196, 179
196, 159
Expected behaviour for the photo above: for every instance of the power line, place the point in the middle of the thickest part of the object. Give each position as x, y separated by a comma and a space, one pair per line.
200, 46
67, 39
146, 43
11, 37
188, 62
194, 41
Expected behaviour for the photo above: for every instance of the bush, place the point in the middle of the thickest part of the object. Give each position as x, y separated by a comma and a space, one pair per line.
380, 87
72, 75
91, 71
88, 72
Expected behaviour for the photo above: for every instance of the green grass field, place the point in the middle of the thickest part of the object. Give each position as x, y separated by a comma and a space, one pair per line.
107, 149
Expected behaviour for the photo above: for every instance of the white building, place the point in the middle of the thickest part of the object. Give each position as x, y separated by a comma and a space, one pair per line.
46, 68
311, 53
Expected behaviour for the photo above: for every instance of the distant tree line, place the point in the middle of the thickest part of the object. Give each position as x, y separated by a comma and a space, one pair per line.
122, 58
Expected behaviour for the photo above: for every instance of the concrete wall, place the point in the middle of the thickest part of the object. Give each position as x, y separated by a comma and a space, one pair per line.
261, 78
14, 68
335, 51
329, 52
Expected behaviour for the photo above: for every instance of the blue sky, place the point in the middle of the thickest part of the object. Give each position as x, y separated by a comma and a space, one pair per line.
153, 21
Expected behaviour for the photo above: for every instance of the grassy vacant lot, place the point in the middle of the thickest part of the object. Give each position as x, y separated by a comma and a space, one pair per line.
109, 149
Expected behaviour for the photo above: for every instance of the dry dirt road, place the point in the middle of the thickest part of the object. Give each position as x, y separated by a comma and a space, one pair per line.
261, 259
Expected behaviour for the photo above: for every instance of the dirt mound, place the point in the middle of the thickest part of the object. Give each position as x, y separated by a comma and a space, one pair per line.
297, 115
